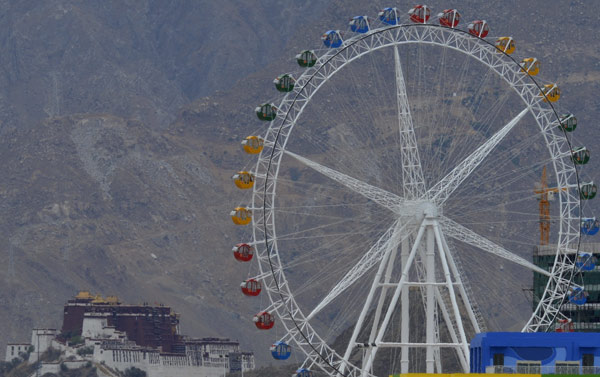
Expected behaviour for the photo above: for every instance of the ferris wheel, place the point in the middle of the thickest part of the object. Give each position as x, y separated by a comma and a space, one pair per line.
391, 212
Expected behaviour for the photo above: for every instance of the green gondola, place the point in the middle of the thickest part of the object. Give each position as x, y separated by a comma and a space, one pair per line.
306, 59
568, 122
580, 155
588, 191
284, 83
266, 111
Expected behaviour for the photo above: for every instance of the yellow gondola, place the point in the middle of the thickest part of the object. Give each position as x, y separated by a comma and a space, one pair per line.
243, 179
531, 66
253, 144
241, 216
551, 92
506, 45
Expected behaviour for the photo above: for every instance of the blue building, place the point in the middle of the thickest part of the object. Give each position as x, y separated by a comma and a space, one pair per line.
510, 352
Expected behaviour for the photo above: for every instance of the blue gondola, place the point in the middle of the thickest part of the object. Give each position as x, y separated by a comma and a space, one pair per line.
578, 296
389, 16
281, 350
586, 261
590, 226
332, 39
359, 24
303, 372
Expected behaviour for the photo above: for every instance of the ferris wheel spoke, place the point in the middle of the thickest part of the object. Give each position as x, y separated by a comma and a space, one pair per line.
453, 229
412, 172
445, 187
384, 198
389, 240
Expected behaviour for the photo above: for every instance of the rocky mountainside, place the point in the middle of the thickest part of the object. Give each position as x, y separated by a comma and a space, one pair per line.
120, 126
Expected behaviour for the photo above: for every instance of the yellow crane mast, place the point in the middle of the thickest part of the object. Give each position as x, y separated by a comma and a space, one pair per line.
545, 194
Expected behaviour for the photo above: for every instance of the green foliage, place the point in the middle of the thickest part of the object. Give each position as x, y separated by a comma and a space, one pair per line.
85, 351
75, 340
24, 355
51, 354
66, 335
17, 368
72, 337
7, 366
134, 372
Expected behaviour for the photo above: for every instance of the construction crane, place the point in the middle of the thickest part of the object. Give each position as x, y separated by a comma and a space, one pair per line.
545, 194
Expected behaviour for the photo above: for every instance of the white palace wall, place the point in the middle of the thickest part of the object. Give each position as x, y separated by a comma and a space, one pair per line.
155, 364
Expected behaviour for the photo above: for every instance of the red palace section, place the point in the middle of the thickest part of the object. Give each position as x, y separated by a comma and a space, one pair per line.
147, 326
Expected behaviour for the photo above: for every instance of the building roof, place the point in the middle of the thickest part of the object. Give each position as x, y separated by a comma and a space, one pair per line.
536, 339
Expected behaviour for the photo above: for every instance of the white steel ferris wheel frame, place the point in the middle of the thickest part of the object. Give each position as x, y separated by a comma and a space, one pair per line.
295, 322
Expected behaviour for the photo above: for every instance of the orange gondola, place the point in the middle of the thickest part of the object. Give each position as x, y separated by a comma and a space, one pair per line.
531, 66
550, 92
241, 216
243, 179
253, 144
506, 45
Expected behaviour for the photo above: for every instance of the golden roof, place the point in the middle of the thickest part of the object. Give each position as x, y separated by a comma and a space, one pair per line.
83, 295
98, 300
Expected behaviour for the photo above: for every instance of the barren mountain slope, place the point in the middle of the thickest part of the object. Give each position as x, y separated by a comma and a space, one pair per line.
110, 156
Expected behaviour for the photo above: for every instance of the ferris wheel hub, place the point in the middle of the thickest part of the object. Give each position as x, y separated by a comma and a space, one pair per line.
430, 209
419, 210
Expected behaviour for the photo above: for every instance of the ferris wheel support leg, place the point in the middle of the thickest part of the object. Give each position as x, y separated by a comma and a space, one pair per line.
450, 325
429, 307
365, 309
404, 314
395, 297
465, 298
383, 294
457, 316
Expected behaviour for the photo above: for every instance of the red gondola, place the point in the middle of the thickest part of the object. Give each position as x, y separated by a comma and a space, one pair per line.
264, 320
243, 252
449, 18
564, 325
251, 287
420, 14
479, 28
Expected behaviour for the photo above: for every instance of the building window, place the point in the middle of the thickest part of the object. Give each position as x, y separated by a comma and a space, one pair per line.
529, 367
588, 360
499, 359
